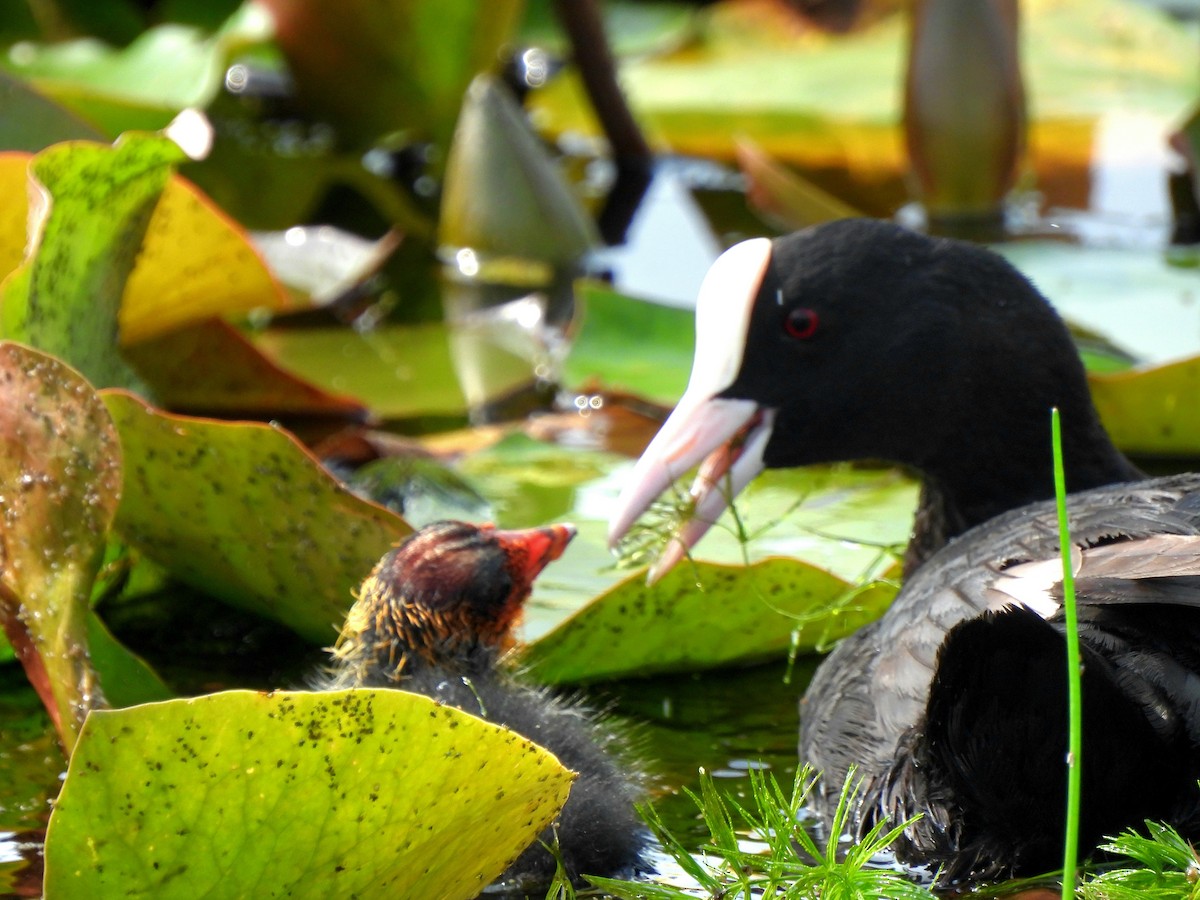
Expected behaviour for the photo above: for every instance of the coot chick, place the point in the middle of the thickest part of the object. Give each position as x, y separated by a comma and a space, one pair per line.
860, 340
435, 617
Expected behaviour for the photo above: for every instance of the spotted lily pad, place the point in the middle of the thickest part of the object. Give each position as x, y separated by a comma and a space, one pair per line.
90, 205
61, 477
811, 561
242, 511
340, 794
194, 263
704, 615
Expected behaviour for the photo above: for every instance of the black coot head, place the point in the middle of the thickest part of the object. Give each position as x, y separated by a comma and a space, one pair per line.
872, 341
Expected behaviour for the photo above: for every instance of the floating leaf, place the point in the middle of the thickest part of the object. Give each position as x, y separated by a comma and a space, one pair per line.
194, 263
398, 371
90, 207
1130, 296
589, 620
631, 345
61, 484
703, 616
340, 794
14, 212
242, 511
212, 368
1145, 306
835, 102
126, 678
1152, 410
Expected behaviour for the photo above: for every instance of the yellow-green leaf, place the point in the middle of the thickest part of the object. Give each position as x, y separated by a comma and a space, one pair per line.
195, 263
341, 794
1152, 410
90, 204
242, 511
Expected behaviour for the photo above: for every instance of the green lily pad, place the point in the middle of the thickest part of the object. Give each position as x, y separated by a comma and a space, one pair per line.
398, 371
91, 209
243, 512
630, 345
61, 464
341, 794
211, 367
194, 262
704, 616
588, 619
127, 679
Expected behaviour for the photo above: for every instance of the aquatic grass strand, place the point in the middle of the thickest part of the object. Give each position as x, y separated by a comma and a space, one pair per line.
1074, 664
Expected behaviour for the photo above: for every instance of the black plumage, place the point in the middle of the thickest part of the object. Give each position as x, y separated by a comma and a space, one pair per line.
435, 617
861, 340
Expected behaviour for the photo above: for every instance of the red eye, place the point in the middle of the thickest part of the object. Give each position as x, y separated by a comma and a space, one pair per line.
801, 323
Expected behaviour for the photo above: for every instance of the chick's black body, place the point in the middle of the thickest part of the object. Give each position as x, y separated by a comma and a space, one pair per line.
861, 340
435, 618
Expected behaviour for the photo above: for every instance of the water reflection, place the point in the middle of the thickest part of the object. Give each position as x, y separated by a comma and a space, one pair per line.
509, 323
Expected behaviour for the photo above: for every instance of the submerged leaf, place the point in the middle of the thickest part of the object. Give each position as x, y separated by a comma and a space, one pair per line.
348, 793
242, 511
61, 485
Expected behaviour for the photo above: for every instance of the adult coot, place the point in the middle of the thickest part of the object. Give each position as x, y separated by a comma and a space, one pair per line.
861, 340
435, 617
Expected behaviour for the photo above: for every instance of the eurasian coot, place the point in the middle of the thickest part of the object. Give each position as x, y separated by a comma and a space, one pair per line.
861, 340
435, 616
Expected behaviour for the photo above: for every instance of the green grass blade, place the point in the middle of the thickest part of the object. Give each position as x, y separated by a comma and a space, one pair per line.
1074, 686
